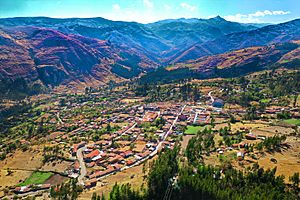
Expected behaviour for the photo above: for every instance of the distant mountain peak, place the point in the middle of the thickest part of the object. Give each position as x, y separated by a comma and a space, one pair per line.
218, 18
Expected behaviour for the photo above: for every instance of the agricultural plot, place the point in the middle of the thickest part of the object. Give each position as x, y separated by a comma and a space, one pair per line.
37, 178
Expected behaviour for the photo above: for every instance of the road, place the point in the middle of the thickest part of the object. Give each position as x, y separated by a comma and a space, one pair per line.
167, 133
211, 97
83, 168
82, 165
126, 131
59, 119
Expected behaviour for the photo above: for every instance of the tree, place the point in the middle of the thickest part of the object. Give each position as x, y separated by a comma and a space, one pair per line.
232, 119
108, 128
94, 196
162, 170
212, 121
295, 179
295, 100
195, 94
62, 102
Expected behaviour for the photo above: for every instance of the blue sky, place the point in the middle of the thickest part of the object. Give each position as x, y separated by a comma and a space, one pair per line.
145, 11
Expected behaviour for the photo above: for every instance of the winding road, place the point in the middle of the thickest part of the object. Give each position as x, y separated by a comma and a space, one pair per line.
211, 97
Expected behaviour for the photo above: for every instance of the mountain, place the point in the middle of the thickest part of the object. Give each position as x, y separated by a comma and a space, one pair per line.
122, 34
231, 64
51, 51
184, 32
157, 41
263, 36
53, 57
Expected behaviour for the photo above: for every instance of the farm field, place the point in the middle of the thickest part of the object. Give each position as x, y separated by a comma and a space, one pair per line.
293, 121
193, 130
37, 178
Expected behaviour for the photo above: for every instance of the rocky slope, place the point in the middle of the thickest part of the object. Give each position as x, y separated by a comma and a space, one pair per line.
263, 36
51, 56
58, 51
231, 64
157, 41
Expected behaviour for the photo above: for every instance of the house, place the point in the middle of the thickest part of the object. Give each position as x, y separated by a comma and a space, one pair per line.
166, 127
240, 155
91, 183
250, 136
150, 116
76, 166
30, 188
115, 159
91, 164
127, 154
99, 174
130, 162
89, 157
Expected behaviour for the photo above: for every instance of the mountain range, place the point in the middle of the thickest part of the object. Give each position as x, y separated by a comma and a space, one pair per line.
57, 51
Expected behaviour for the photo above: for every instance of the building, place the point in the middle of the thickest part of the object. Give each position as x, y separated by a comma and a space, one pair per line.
250, 136
89, 157
150, 116
91, 183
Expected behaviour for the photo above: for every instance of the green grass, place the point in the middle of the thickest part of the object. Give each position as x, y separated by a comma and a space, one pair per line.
193, 130
37, 178
293, 121
265, 100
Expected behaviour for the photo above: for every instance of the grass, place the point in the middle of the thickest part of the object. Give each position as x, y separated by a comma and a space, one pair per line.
293, 121
193, 130
37, 178
265, 100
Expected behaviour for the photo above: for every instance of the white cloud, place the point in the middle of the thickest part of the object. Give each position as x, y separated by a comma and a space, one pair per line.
254, 17
116, 7
131, 14
188, 7
280, 12
148, 3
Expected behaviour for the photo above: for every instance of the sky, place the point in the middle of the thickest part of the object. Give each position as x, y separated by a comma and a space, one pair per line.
146, 11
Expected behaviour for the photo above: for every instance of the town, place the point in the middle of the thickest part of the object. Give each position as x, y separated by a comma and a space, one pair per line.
91, 136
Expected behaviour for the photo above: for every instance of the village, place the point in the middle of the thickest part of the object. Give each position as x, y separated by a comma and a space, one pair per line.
101, 135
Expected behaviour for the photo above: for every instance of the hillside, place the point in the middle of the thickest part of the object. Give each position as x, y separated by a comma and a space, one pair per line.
185, 32
157, 41
50, 52
263, 36
51, 58
231, 64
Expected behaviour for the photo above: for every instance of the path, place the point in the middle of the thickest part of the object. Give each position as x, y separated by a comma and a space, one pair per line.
82, 165
126, 131
153, 153
59, 119
167, 133
211, 97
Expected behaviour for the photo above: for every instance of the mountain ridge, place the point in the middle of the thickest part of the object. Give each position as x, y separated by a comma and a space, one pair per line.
57, 51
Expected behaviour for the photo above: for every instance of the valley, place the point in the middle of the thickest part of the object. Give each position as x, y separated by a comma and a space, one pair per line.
183, 109
102, 134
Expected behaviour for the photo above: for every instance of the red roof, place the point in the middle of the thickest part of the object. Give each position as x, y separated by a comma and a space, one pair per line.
76, 164
130, 162
93, 154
